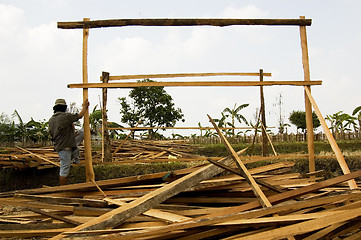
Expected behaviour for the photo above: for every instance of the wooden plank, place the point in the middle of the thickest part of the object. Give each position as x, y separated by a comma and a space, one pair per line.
263, 117
181, 22
156, 213
200, 128
261, 182
176, 75
306, 226
89, 171
236, 212
331, 140
54, 216
31, 233
281, 219
106, 146
38, 156
121, 144
255, 188
193, 84
143, 204
308, 107
63, 200
133, 180
13, 202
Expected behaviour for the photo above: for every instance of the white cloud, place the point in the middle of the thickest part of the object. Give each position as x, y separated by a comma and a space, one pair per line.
11, 20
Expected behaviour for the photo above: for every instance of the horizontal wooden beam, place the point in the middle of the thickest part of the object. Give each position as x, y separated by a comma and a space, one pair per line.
200, 128
175, 75
193, 84
181, 22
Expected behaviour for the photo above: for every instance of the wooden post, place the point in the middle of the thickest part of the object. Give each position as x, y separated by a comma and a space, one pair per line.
263, 118
334, 146
89, 172
106, 147
308, 107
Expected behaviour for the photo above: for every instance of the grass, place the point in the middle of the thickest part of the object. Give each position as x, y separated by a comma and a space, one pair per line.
219, 150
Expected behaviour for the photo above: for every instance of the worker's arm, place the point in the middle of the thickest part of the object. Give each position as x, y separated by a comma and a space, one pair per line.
84, 108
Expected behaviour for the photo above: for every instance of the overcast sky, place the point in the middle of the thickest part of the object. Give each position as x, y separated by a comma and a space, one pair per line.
38, 60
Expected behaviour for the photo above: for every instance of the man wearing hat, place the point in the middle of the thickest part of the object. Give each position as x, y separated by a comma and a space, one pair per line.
62, 131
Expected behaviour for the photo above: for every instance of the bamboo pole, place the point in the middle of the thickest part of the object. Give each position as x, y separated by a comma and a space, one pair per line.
308, 107
89, 172
332, 141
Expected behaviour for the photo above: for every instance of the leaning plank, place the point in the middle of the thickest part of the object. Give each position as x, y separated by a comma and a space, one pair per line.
246, 174
237, 212
148, 201
192, 84
334, 146
38, 156
261, 182
181, 22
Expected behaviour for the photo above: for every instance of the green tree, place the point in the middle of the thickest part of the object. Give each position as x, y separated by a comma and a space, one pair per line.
235, 115
357, 111
151, 104
341, 123
37, 131
298, 118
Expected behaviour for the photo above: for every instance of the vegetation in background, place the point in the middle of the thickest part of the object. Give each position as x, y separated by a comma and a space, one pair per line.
153, 105
298, 118
342, 122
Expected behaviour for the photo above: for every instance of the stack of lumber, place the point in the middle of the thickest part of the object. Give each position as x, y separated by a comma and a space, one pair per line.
21, 158
200, 202
131, 151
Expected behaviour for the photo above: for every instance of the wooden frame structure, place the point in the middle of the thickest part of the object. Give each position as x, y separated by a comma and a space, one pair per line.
86, 24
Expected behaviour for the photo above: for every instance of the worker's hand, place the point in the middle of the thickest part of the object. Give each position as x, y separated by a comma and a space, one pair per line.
86, 104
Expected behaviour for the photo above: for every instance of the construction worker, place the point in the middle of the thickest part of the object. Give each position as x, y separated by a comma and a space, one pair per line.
62, 131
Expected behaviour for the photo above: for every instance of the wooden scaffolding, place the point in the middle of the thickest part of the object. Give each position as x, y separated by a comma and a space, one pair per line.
86, 24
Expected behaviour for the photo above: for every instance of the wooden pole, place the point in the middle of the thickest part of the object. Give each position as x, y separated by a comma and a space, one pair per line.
334, 146
182, 75
308, 107
193, 84
89, 172
106, 147
181, 22
246, 174
263, 118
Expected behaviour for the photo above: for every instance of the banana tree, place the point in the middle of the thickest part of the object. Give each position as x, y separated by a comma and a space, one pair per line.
357, 111
235, 115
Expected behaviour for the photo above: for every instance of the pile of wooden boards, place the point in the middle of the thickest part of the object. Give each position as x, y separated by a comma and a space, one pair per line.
201, 202
129, 151
31, 157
